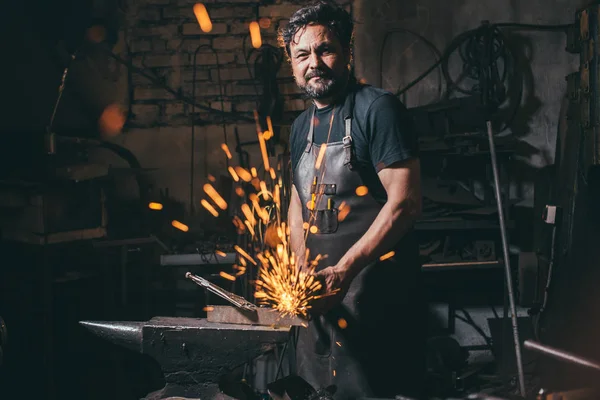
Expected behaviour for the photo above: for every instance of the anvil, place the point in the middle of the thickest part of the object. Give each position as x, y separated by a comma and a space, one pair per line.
192, 353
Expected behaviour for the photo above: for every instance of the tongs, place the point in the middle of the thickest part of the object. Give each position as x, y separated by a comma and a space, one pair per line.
234, 299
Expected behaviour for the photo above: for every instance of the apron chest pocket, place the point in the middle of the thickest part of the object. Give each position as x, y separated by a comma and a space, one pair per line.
327, 221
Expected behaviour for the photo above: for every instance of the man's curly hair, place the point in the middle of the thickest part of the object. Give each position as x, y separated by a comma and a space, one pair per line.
319, 12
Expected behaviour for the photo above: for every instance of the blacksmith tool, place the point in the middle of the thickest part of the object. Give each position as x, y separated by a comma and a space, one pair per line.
234, 299
193, 354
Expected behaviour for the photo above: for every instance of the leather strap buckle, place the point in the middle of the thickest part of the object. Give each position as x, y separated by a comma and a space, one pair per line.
347, 141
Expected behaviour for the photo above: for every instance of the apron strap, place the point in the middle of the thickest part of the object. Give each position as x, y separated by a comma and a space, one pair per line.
348, 145
311, 131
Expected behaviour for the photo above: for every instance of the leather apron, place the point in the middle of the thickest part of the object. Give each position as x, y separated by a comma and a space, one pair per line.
372, 345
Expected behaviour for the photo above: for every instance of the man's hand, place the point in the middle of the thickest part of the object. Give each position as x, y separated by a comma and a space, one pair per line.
335, 282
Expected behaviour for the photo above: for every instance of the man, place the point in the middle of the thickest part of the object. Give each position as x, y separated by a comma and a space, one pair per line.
354, 149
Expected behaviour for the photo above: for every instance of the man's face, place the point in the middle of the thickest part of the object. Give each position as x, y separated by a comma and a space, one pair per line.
319, 63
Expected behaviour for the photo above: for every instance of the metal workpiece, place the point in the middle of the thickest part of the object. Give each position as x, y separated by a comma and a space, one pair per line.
193, 354
260, 316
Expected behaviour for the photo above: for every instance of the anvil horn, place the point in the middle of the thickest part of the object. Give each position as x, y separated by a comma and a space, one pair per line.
126, 334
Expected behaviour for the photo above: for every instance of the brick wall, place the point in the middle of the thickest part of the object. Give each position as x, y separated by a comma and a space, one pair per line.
162, 37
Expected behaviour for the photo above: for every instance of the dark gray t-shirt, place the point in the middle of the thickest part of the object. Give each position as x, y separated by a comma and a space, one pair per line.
382, 133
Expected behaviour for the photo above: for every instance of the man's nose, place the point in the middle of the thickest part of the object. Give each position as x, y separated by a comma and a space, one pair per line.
314, 61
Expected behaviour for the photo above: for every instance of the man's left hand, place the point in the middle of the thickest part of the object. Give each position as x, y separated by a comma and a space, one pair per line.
335, 282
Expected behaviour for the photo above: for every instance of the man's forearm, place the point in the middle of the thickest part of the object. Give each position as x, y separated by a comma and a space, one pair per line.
393, 221
297, 243
297, 240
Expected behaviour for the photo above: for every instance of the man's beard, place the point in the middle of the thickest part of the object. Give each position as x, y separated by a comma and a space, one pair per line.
327, 86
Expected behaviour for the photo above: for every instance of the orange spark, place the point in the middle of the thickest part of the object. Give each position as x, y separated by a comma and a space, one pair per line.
234, 175
215, 196
243, 174
342, 323
273, 174
208, 308
253, 172
320, 156
220, 253
362, 190
276, 197
314, 229
227, 276
180, 226
263, 189
211, 178
255, 34
343, 211
202, 17
155, 206
248, 213
226, 150
387, 255
239, 191
250, 227
244, 254
209, 208
270, 126
263, 150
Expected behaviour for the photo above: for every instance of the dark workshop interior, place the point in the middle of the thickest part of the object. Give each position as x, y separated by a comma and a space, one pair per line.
145, 174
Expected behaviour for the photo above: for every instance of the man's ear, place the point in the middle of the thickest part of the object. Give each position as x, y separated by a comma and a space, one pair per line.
347, 55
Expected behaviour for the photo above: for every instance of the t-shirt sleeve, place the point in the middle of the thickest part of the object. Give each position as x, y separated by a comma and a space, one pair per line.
391, 133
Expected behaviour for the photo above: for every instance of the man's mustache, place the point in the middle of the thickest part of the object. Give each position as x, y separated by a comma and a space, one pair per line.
317, 73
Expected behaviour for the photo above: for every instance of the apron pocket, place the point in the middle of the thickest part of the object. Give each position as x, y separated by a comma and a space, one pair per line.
327, 221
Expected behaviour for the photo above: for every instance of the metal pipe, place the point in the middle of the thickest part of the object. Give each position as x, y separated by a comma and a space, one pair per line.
509, 282
561, 355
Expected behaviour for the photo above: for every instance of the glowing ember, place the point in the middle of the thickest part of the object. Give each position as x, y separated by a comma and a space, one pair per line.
180, 226
216, 197
342, 323
226, 150
202, 17
155, 206
243, 174
284, 281
362, 191
255, 34
387, 255
321, 156
209, 208
234, 174
227, 276
285, 286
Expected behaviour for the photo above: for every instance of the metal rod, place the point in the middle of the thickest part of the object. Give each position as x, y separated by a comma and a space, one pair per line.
561, 355
509, 283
